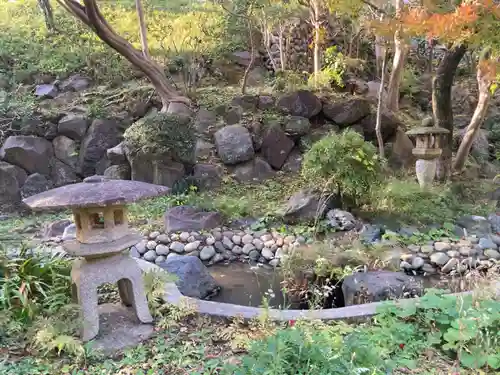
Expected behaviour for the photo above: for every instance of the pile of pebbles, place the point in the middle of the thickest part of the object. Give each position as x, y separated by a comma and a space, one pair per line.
451, 257
218, 245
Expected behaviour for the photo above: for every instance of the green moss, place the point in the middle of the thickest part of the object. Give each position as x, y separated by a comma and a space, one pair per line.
163, 134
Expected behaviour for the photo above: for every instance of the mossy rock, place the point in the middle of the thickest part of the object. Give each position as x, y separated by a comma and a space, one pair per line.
163, 134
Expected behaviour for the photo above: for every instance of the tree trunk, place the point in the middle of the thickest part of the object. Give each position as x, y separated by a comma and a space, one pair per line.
397, 64
442, 84
90, 14
282, 47
48, 14
252, 58
484, 80
317, 66
378, 125
143, 31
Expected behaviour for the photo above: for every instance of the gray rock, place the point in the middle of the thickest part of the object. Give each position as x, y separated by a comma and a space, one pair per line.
442, 246
495, 239
237, 250
75, 83
247, 239
217, 258
117, 155
305, 205
207, 253
234, 144
259, 245
466, 251
371, 233
10, 193
404, 265
274, 262
236, 239
66, 150
453, 254
293, 163
364, 287
450, 265
177, 247
208, 176
254, 255
162, 249
163, 238
160, 259
494, 220
348, 112
73, 126
341, 220
417, 263
35, 184
297, 126
69, 233
46, 91
428, 269
204, 120
475, 225
267, 253
265, 102
118, 172
184, 236
440, 259
487, 243
192, 246
55, 228
414, 248
247, 102
134, 253
190, 218
233, 114
151, 245
179, 109
427, 249
247, 248
301, 103
219, 247
193, 278
100, 136
254, 171
492, 254
276, 146
150, 256
33, 154
228, 244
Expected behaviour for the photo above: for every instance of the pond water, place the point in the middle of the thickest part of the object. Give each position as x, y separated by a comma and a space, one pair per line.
252, 285
248, 285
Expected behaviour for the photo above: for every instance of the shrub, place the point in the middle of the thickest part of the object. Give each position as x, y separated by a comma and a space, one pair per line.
31, 283
344, 163
163, 134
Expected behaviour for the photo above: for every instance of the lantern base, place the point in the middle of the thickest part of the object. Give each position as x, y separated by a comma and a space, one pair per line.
426, 171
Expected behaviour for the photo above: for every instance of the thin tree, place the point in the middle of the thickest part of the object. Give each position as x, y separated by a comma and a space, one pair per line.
90, 14
378, 124
143, 31
486, 74
48, 14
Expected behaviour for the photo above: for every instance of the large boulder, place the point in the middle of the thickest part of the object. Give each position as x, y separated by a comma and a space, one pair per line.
117, 155
118, 172
30, 153
188, 218
247, 102
276, 146
66, 150
101, 135
155, 169
180, 109
348, 112
18, 172
193, 278
253, 171
73, 126
234, 144
301, 103
293, 163
35, 184
307, 205
475, 225
366, 287
10, 195
204, 120
208, 176
390, 125
76, 83
62, 174
297, 126
46, 91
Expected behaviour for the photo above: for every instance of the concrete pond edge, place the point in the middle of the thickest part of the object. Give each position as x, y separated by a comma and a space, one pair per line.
173, 296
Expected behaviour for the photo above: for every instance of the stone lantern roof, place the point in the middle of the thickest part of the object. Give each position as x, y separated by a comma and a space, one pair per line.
424, 130
95, 191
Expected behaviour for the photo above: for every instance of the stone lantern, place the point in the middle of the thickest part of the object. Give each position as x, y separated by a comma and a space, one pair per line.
427, 150
102, 241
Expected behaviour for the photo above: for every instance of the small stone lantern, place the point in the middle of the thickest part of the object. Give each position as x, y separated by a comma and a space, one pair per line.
427, 150
102, 238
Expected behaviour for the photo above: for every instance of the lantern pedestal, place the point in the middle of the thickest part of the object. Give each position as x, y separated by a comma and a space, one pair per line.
426, 171
427, 150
